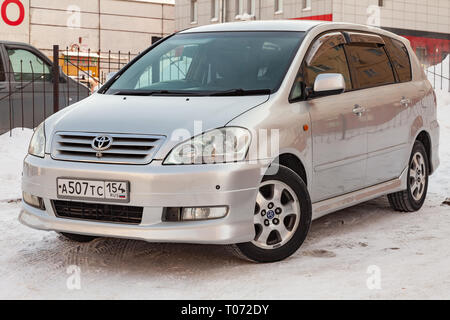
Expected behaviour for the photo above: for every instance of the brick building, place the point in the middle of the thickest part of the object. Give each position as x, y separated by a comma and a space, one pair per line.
126, 25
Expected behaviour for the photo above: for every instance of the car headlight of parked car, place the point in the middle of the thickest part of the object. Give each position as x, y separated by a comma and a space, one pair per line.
221, 145
37, 143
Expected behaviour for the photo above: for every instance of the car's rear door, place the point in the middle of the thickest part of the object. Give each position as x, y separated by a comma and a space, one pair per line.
385, 101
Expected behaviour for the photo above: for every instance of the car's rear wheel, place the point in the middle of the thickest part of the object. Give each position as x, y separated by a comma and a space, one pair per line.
77, 237
282, 218
413, 197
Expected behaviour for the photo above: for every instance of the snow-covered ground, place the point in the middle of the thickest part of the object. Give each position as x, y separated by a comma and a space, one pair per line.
344, 252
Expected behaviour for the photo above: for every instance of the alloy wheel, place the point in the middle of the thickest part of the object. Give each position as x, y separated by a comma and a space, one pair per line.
277, 215
417, 176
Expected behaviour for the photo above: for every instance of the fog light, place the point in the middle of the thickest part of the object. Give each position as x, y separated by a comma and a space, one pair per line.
33, 201
188, 214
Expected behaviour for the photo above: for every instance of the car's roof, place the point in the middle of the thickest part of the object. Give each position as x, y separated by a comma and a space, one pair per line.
13, 43
290, 25
260, 25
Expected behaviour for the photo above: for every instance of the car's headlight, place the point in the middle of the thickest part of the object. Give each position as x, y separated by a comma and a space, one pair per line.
37, 143
222, 145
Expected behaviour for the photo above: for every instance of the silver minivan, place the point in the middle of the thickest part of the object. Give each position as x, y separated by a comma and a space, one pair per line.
238, 134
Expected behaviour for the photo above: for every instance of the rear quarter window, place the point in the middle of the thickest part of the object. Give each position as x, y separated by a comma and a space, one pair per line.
400, 59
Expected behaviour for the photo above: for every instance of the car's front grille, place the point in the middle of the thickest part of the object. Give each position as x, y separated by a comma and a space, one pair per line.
98, 212
125, 148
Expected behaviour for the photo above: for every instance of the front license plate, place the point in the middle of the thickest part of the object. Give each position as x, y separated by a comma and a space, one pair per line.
105, 190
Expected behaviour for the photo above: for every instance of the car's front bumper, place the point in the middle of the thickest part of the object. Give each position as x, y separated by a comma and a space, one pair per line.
153, 187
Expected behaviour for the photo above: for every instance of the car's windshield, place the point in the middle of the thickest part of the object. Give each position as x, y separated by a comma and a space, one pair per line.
212, 63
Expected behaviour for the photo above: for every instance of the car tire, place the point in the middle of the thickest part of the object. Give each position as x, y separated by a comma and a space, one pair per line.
413, 197
282, 218
77, 237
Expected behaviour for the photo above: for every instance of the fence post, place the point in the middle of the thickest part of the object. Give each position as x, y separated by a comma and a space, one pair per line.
55, 78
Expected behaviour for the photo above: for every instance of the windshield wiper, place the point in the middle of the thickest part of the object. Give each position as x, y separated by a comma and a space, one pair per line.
232, 92
135, 92
154, 92
241, 92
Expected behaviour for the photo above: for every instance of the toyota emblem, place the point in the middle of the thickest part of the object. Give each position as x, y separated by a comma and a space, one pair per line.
102, 143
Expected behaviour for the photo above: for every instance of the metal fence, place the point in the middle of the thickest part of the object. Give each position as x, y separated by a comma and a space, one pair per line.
438, 73
35, 88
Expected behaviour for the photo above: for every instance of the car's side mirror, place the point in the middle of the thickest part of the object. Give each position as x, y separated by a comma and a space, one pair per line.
110, 75
328, 84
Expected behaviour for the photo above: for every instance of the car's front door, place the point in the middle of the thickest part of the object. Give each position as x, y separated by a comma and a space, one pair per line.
32, 87
4, 98
338, 127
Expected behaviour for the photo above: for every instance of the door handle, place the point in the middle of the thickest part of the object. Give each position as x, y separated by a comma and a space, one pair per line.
405, 102
358, 110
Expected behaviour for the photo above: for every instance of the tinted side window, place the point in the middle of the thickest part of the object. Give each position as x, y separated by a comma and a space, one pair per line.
331, 60
369, 65
400, 59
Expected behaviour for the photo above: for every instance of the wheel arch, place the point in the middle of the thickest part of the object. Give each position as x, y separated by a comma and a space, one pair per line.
294, 163
424, 137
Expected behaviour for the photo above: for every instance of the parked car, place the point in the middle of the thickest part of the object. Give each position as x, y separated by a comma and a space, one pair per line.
26, 83
349, 107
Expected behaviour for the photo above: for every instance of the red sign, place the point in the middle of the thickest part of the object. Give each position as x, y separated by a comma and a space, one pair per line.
323, 17
5, 18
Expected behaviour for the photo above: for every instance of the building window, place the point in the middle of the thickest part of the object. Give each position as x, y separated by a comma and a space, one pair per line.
278, 6
239, 8
380, 3
155, 39
214, 10
306, 4
421, 54
194, 11
251, 7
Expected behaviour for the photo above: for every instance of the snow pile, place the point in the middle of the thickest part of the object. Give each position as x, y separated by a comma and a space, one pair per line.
443, 101
439, 181
439, 74
12, 152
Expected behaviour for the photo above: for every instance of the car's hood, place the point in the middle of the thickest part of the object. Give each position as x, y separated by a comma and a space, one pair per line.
158, 115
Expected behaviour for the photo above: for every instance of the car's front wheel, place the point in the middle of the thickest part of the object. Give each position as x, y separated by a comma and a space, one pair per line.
282, 217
